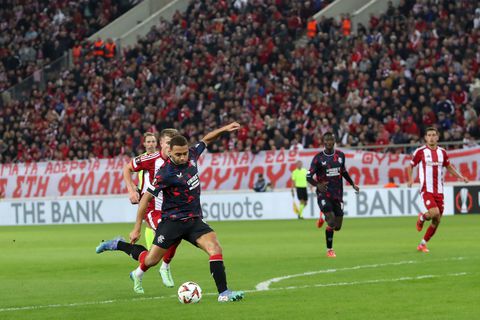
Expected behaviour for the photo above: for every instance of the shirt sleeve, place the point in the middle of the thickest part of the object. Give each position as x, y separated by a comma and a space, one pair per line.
344, 170
197, 149
159, 183
417, 157
446, 159
312, 171
138, 164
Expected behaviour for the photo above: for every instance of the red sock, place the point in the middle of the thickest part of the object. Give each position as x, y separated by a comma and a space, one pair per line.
430, 232
167, 258
141, 259
216, 257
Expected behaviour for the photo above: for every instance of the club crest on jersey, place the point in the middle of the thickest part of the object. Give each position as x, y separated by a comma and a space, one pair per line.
160, 239
138, 160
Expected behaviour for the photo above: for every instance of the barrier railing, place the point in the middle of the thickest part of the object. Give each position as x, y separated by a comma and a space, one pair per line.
38, 80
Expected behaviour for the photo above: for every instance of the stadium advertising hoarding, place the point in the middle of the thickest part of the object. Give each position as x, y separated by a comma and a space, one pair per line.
220, 171
466, 199
370, 202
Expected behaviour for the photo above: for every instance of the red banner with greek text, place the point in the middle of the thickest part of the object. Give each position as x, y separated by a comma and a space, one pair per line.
219, 171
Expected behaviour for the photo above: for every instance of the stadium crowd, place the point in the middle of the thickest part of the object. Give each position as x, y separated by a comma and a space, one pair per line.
220, 61
37, 32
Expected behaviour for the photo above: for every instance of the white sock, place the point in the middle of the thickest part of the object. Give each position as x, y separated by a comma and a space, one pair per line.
165, 265
139, 273
423, 242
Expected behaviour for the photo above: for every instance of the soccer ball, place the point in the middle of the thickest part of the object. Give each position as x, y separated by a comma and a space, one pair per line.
189, 292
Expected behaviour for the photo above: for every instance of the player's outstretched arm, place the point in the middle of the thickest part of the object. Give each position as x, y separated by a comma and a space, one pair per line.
349, 179
457, 174
410, 176
131, 187
212, 136
142, 207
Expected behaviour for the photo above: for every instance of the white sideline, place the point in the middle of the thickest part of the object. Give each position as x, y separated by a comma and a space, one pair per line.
264, 286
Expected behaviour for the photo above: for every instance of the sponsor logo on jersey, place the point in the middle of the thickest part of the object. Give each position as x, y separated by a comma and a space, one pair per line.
193, 182
333, 172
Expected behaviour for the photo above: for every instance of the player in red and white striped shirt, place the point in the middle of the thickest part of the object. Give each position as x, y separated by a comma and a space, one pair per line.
146, 166
431, 159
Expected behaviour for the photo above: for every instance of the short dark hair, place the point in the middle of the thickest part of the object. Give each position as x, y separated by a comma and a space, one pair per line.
328, 134
178, 140
432, 129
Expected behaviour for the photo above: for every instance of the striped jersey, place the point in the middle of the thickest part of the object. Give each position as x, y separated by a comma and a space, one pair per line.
430, 168
146, 165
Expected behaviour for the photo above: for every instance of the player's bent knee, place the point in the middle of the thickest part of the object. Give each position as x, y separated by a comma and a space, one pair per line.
338, 228
209, 243
152, 260
212, 248
435, 215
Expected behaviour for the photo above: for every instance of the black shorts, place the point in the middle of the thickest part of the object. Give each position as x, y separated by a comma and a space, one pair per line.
170, 231
330, 205
302, 194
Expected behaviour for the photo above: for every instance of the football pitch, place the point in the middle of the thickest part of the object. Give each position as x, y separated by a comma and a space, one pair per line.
53, 272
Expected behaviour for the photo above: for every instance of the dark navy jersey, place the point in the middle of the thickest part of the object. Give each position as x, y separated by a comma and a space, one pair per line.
180, 185
331, 168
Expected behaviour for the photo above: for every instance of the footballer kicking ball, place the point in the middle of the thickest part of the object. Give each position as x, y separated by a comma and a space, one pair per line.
189, 292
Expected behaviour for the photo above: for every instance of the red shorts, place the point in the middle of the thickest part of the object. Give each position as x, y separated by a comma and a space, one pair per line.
152, 217
432, 200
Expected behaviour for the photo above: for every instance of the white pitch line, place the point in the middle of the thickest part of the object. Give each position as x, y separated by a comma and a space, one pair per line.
80, 304
353, 283
334, 284
89, 303
265, 285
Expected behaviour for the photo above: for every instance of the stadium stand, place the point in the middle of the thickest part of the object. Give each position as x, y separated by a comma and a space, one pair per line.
220, 61
35, 33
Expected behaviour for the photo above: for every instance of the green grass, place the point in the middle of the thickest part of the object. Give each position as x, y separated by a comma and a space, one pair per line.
54, 273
